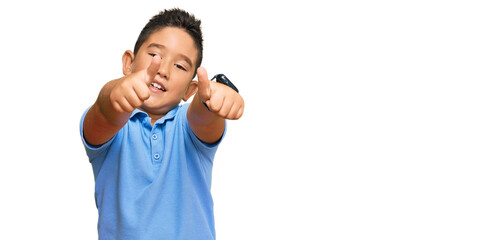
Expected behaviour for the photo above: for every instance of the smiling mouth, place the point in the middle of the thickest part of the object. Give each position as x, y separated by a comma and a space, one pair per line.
158, 86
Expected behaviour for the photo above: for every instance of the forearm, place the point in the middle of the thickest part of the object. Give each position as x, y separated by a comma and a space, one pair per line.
206, 125
102, 121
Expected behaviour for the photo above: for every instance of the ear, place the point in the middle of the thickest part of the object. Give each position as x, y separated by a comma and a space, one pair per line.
191, 90
127, 62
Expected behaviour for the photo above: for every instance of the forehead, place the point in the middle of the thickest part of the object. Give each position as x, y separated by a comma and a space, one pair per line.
173, 39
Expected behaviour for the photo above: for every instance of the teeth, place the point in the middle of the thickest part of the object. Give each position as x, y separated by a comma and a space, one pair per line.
156, 85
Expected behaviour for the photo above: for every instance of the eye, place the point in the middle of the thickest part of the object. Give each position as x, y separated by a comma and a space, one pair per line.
152, 54
180, 67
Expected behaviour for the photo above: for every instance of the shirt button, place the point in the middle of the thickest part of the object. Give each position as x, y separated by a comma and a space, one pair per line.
154, 137
157, 156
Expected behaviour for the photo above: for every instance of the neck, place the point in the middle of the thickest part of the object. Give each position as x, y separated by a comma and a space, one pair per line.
155, 114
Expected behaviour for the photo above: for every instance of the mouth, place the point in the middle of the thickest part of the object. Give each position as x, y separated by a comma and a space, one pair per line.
157, 86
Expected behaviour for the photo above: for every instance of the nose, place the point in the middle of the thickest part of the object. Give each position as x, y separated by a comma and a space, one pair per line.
164, 70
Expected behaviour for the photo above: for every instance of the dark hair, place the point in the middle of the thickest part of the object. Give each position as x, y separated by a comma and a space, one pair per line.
174, 18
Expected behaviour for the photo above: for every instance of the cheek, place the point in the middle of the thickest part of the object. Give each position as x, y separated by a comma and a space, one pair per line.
177, 88
182, 80
136, 67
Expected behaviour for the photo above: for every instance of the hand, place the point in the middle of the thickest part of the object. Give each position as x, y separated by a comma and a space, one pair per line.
130, 91
220, 99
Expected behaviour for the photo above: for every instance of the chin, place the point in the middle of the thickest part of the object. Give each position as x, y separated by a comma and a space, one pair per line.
157, 107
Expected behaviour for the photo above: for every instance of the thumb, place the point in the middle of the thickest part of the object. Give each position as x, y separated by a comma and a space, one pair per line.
152, 69
203, 86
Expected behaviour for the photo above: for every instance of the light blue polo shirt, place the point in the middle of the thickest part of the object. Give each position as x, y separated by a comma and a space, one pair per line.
153, 182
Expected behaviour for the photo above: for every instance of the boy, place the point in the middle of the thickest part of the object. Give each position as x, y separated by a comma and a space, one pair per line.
151, 157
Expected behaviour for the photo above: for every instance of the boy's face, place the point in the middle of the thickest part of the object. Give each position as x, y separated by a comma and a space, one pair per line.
172, 83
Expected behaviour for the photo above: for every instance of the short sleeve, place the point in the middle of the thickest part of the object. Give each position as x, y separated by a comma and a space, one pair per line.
93, 152
206, 149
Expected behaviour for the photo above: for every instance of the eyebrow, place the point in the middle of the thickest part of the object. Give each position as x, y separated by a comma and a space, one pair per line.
160, 46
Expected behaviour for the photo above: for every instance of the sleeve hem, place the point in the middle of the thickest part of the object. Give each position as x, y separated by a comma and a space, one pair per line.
92, 150
197, 142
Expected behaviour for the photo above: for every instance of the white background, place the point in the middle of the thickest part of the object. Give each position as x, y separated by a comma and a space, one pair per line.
364, 119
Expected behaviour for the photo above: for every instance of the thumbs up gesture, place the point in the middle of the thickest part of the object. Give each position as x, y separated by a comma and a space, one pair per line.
220, 99
130, 91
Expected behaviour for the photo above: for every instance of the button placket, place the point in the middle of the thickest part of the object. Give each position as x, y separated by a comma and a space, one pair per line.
156, 148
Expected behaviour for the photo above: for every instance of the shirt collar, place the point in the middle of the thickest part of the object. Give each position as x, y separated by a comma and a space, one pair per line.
168, 116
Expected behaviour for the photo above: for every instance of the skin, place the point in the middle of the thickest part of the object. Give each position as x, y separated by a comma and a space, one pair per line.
166, 58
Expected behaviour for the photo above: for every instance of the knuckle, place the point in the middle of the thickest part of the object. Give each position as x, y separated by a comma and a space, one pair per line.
117, 107
143, 95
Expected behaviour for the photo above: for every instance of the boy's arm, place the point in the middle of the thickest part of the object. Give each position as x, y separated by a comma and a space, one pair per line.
115, 103
224, 103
